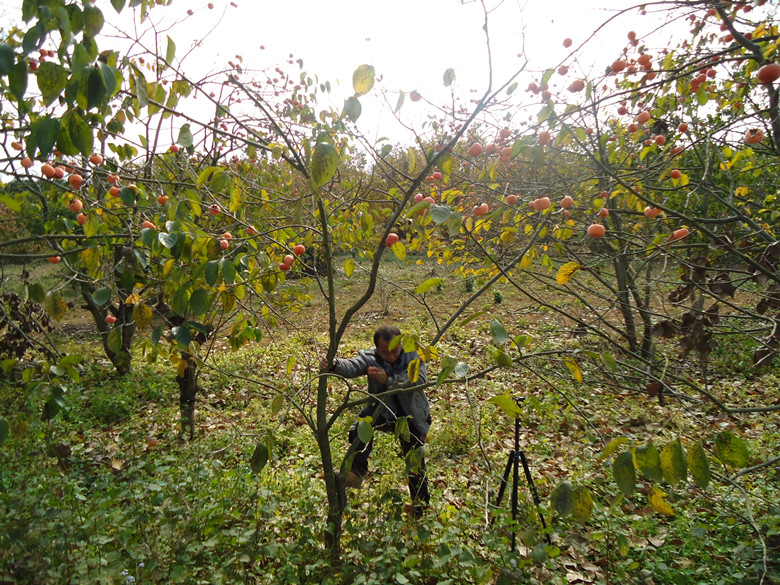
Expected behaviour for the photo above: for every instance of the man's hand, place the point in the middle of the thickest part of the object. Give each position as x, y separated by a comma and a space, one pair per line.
324, 367
377, 374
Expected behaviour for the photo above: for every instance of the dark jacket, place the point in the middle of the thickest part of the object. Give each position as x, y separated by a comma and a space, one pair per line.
414, 404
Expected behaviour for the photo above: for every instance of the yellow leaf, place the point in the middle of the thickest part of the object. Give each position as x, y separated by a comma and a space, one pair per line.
506, 403
526, 262
428, 353
507, 235
142, 315
133, 299
657, 501
576, 373
613, 446
741, 191
168, 267
349, 267
566, 272
290, 364
414, 370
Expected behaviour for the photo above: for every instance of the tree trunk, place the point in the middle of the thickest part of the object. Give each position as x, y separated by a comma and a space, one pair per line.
116, 349
334, 486
624, 299
188, 390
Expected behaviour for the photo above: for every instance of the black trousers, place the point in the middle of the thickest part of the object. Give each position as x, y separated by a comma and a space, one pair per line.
413, 449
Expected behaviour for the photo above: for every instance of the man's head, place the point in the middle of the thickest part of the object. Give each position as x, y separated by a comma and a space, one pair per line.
382, 338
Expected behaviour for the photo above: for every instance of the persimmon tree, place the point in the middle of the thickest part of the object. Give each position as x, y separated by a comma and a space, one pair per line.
189, 233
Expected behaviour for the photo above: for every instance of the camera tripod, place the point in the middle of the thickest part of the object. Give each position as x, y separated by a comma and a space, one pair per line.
513, 464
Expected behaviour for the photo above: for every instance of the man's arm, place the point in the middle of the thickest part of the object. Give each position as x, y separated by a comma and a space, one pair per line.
349, 368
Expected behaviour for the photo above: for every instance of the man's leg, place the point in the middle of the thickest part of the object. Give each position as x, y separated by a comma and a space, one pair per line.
360, 462
414, 454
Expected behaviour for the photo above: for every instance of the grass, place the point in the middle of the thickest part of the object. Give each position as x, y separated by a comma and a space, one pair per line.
108, 491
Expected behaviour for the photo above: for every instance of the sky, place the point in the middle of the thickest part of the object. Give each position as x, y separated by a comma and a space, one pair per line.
410, 43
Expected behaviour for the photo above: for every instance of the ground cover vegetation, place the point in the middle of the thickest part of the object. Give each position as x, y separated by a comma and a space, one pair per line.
607, 254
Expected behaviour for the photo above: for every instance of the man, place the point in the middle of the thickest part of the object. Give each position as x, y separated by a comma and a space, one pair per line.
388, 369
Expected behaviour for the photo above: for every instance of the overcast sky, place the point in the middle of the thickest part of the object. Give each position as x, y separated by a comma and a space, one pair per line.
409, 42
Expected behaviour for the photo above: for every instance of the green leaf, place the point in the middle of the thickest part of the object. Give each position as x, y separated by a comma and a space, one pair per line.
673, 463
228, 271
399, 103
97, 92
17, 80
324, 163
36, 293
168, 240
583, 504
199, 301
7, 59
183, 336
624, 473
612, 446
4, 430
699, 466
93, 20
648, 461
114, 340
500, 336
55, 305
259, 457
277, 403
609, 361
118, 5
148, 236
352, 108
363, 79
141, 92
52, 79
440, 213
269, 281
365, 431
731, 450
427, 285
624, 547
77, 131
207, 175
46, 132
170, 52
212, 272
101, 296
186, 139
449, 76
562, 498
503, 359
8, 365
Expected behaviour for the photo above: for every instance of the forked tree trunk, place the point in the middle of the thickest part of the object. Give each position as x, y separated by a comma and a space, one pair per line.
116, 349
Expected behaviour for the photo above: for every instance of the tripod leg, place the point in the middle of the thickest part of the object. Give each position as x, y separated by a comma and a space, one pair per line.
515, 485
535, 495
505, 478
